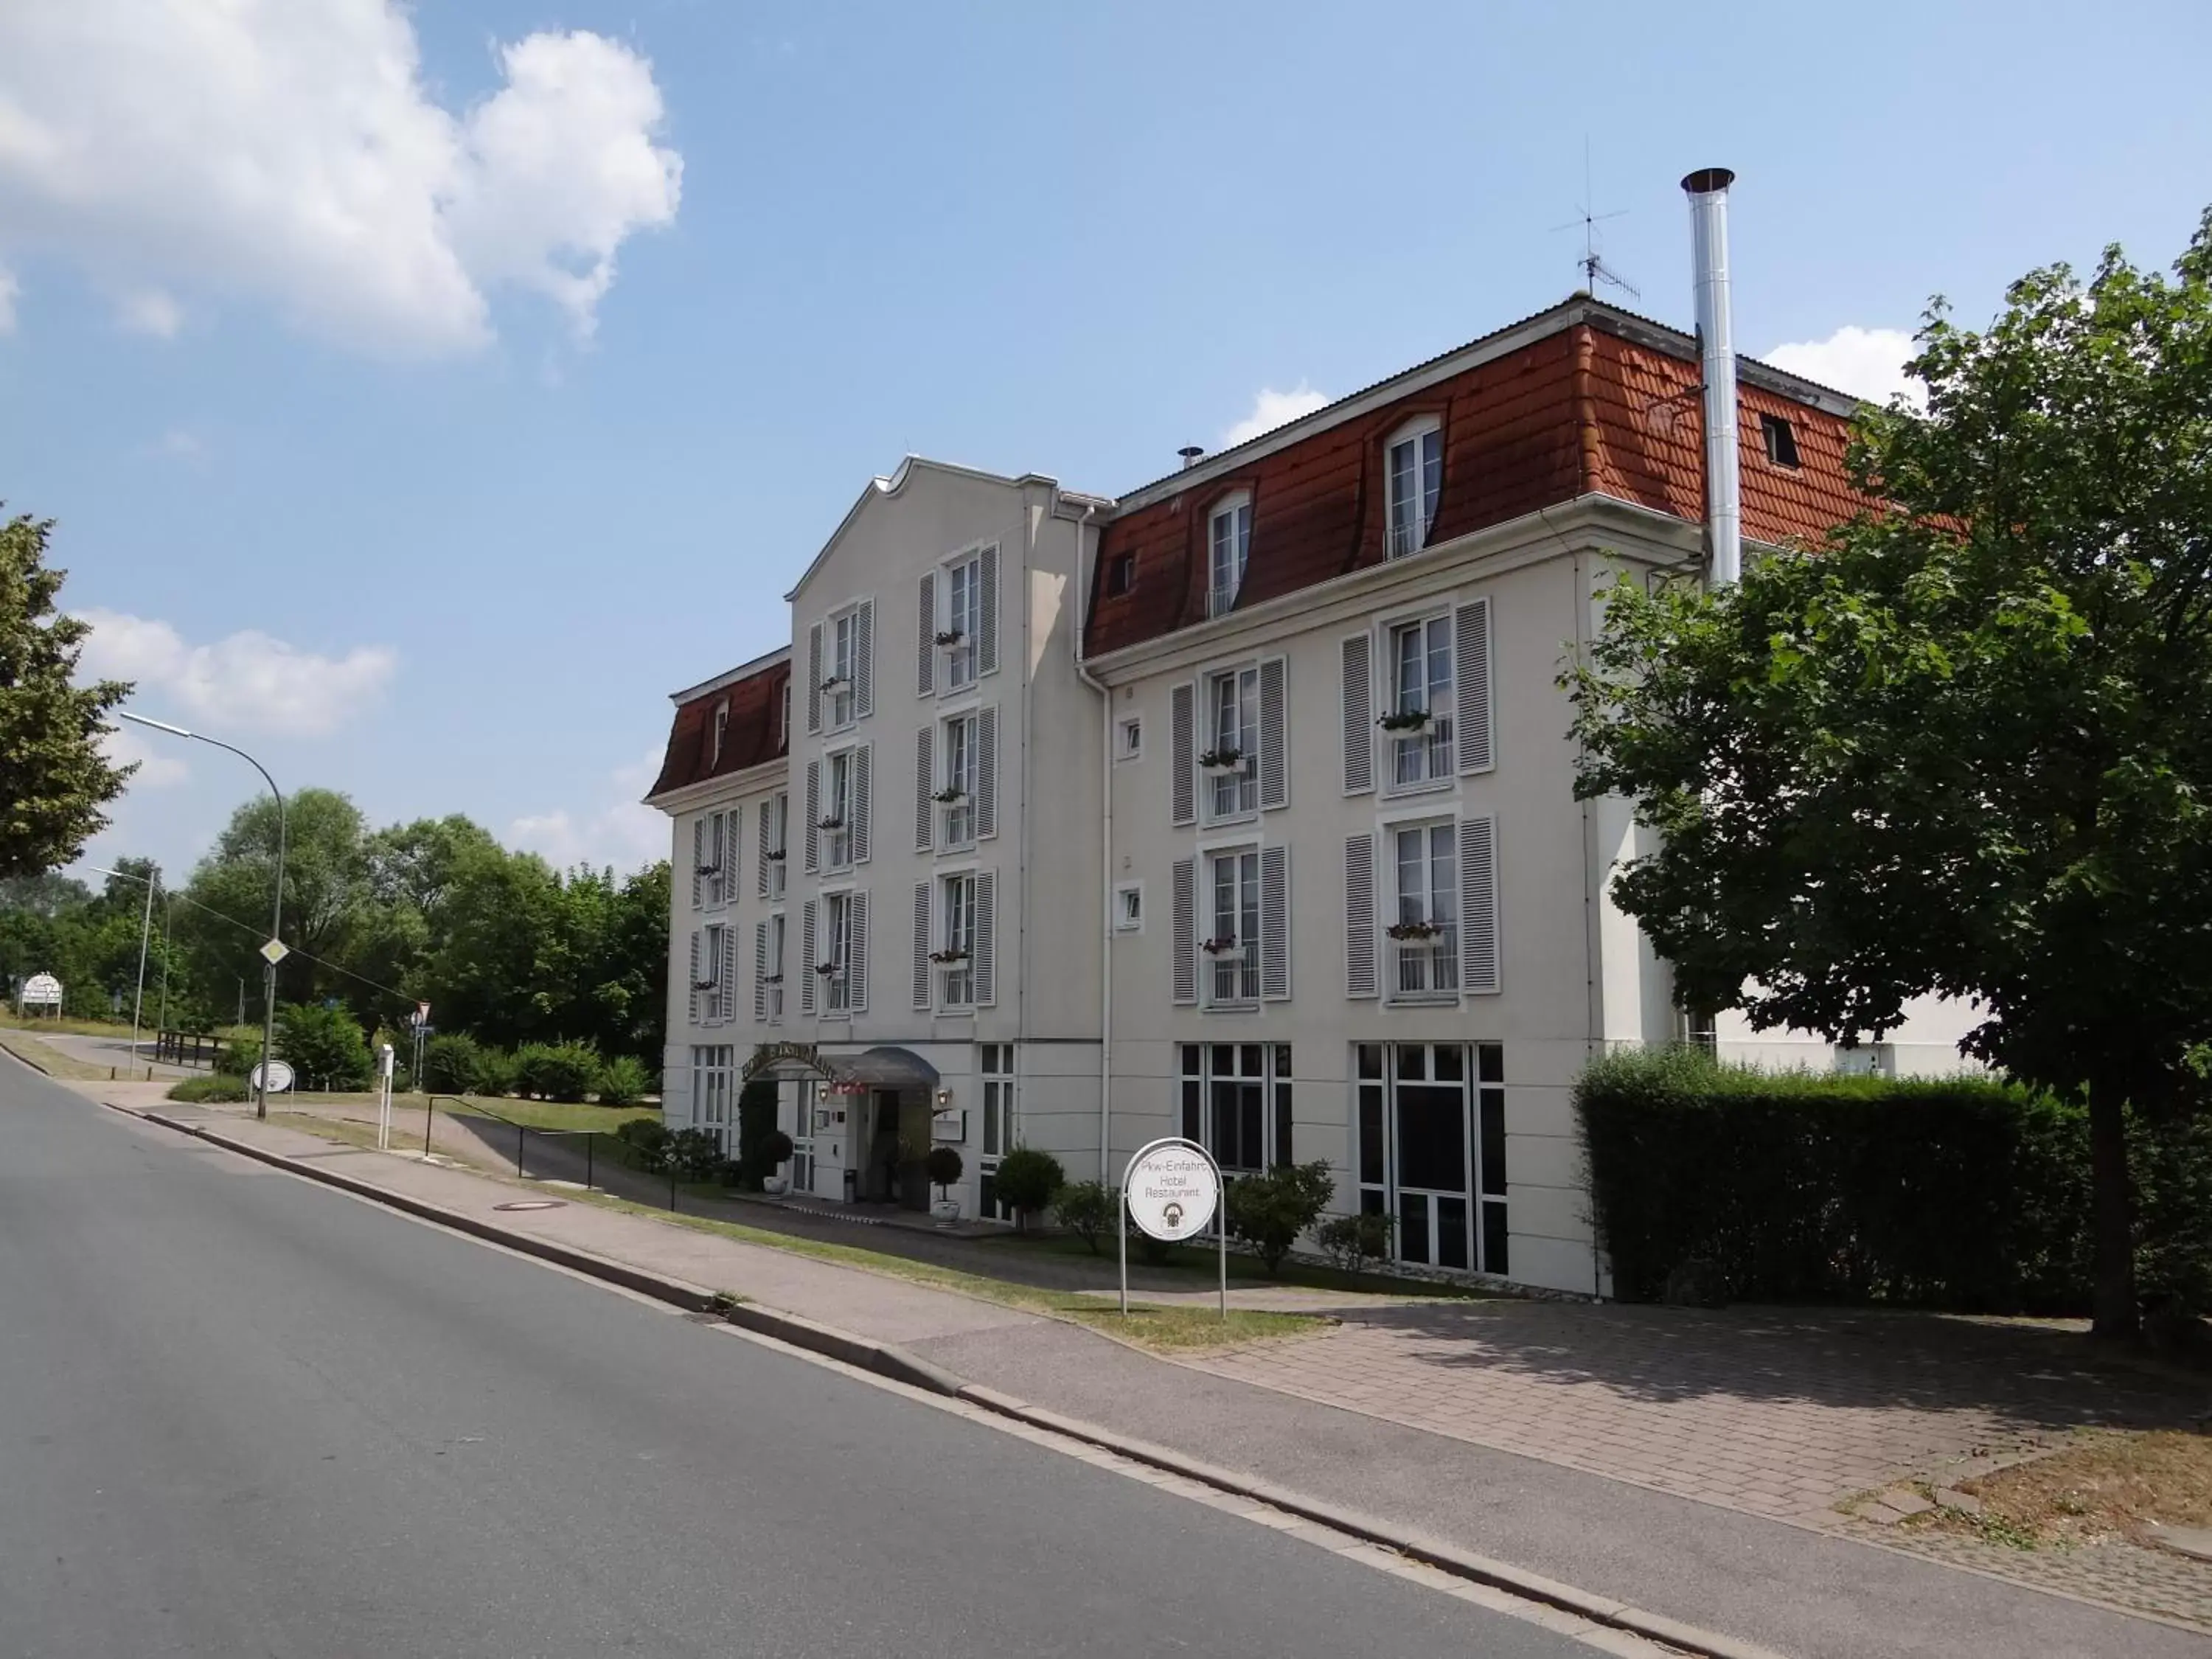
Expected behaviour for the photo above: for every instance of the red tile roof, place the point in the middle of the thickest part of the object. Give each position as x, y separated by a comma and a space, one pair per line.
753, 736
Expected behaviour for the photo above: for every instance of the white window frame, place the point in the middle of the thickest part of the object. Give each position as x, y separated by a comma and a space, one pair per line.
997, 1090
786, 715
1129, 906
1425, 757
1232, 795
1229, 978
721, 730
772, 999
717, 884
961, 658
835, 944
841, 706
715, 1001
714, 1090
1129, 737
1200, 1075
779, 844
955, 930
837, 767
1229, 555
1422, 970
1410, 511
955, 819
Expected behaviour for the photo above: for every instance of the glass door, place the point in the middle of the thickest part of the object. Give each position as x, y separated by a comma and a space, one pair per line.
1435, 1179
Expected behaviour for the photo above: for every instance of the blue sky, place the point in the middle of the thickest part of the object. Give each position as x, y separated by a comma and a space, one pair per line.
492, 393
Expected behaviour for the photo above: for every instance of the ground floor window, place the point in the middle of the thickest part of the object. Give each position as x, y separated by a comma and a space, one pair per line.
994, 1071
1237, 1102
801, 1128
714, 1081
1430, 1148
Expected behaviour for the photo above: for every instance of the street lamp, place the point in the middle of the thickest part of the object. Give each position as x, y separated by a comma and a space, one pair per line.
276, 908
145, 931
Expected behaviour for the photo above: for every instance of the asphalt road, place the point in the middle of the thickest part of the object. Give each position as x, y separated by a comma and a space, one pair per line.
241, 1415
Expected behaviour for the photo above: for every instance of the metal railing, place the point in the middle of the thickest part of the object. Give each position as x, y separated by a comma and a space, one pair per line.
187, 1048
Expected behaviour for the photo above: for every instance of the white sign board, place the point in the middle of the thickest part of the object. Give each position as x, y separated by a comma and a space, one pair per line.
41, 991
280, 1076
1173, 1190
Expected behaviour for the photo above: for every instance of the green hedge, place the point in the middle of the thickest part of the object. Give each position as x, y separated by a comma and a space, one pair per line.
1959, 1193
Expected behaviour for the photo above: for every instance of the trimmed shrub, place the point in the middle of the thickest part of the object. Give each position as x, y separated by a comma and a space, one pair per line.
1087, 1209
1353, 1241
1026, 1181
1963, 1193
942, 1165
217, 1087
647, 1140
623, 1081
755, 1123
556, 1071
694, 1154
497, 1072
450, 1062
1268, 1211
325, 1047
775, 1150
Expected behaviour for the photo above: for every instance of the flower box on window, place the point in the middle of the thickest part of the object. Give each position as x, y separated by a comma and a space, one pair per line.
774, 855
1221, 950
836, 683
835, 821
950, 637
1414, 931
771, 979
950, 793
1405, 719
1222, 760
943, 957
704, 984
825, 968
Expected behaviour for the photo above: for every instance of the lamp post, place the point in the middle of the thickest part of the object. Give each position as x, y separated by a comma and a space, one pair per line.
276, 905
145, 932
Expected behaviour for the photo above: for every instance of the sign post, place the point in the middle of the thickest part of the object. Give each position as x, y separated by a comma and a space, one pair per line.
384, 1100
40, 991
1171, 1189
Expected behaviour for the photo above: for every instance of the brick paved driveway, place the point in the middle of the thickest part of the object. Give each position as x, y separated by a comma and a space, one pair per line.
1778, 1411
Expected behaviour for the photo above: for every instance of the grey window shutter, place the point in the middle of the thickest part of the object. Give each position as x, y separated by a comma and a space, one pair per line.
1471, 668
863, 788
1182, 757
863, 660
807, 976
984, 959
814, 677
1186, 930
692, 983
1358, 715
987, 774
725, 987
986, 647
856, 952
760, 848
698, 862
1274, 735
814, 816
1478, 903
924, 788
733, 822
921, 946
759, 973
1275, 922
924, 668
1361, 977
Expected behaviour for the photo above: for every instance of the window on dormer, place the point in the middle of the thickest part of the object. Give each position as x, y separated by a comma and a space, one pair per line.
1780, 440
1229, 537
1416, 473
721, 730
1120, 574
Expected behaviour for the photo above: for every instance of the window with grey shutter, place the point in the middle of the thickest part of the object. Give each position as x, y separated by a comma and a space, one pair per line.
863, 769
856, 952
983, 956
924, 788
1182, 757
808, 979
1358, 716
1275, 923
863, 660
1274, 735
1186, 930
924, 672
1361, 977
726, 977
1471, 666
698, 862
813, 816
986, 647
760, 850
759, 973
921, 946
814, 677
986, 773
1477, 904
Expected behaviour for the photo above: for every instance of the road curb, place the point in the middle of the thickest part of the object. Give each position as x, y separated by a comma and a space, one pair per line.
887, 1360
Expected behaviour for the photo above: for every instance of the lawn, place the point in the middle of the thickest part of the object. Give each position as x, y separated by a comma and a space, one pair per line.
51, 1062
535, 1114
71, 1027
2109, 1483
1204, 1268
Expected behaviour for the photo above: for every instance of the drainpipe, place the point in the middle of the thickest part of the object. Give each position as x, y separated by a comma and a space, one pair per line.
1708, 190
1105, 871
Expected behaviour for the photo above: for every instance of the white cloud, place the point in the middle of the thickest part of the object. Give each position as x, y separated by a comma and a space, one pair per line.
1867, 362
619, 831
9, 289
1271, 409
157, 770
180, 443
288, 151
248, 682
150, 311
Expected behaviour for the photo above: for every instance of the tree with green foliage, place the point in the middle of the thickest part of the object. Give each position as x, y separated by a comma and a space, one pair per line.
54, 775
1965, 746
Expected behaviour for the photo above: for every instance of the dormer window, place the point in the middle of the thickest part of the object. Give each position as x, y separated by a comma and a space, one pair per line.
1780, 440
721, 730
1229, 536
1415, 469
1120, 574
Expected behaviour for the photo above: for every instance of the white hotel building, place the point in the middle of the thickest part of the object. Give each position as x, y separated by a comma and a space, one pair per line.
1239, 806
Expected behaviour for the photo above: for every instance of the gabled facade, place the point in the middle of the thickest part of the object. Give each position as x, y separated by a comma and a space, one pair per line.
1243, 807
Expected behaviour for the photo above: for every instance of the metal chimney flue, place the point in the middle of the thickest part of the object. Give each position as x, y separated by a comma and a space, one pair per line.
1192, 455
1708, 189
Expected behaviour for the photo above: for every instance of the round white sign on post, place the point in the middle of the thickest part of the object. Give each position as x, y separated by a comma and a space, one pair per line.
1173, 1191
280, 1076
42, 991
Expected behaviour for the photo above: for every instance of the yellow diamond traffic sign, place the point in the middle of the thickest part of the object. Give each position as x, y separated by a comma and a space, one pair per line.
274, 953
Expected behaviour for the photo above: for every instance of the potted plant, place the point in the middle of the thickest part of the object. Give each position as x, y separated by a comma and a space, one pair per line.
1225, 758
1221, 950
835, 683
775, 1149
835, 821
1413, 931
950, 637
825, 968
1404, 719
943, 1166
951, 792
944, 957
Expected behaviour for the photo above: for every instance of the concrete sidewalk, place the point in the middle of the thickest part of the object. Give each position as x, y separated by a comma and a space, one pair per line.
1793, 1589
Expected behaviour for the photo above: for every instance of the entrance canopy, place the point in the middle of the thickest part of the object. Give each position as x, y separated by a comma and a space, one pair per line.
880, 1068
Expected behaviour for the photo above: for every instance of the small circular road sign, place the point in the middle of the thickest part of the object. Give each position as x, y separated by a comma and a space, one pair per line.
1173, 1190
280, 1076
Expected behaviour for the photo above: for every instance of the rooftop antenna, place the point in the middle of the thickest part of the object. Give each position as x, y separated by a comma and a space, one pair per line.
1595, 269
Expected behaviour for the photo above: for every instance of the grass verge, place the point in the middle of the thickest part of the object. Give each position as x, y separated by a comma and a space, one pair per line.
52, 1061
2110, 1483
1243, 1268
10, 1020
